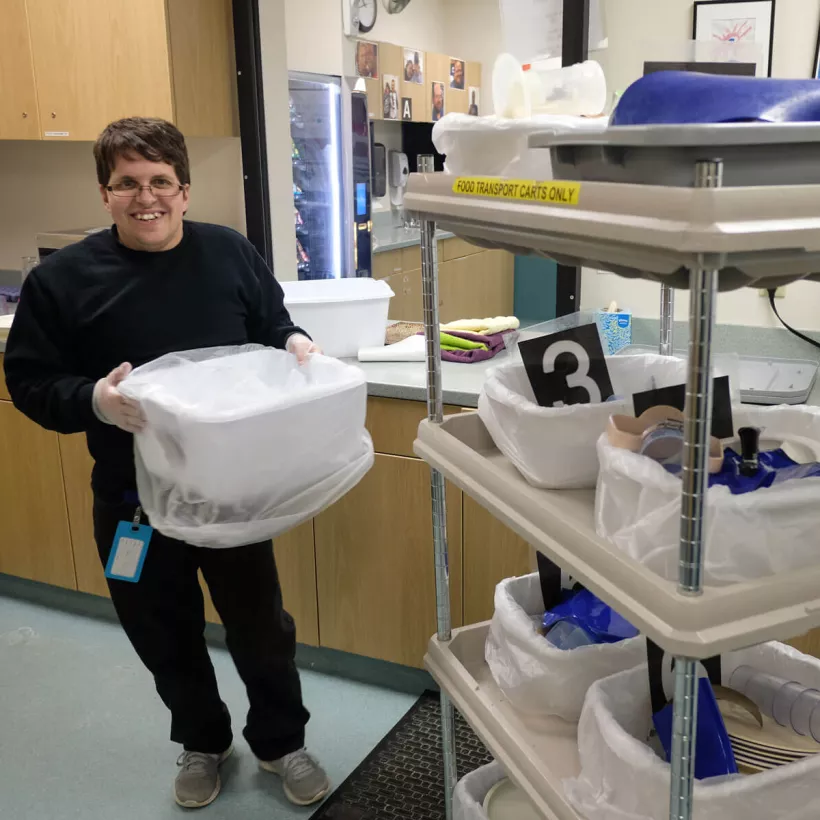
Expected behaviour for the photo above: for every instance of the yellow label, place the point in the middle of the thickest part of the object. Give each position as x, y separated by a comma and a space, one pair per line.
520, 190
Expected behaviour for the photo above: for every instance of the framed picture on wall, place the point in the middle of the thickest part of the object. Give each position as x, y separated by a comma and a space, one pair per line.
729, 21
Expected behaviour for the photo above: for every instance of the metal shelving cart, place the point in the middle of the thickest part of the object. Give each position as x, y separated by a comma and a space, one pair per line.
677, 225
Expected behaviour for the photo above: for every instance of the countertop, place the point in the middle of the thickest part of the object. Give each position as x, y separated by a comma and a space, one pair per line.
391, 237
461, 383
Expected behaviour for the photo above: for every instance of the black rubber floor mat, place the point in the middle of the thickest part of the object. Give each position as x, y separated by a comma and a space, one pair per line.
402, 778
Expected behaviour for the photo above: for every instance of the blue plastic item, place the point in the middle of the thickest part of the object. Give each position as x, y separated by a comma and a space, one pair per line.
713, 749
775, 467
599, 621
684, 97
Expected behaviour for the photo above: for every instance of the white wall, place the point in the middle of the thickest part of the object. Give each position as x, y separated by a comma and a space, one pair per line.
314, 38
277, 129
421, 25
53, 186
633, 27
473, 30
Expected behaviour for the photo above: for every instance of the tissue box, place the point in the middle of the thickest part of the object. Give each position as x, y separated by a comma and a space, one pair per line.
615, 330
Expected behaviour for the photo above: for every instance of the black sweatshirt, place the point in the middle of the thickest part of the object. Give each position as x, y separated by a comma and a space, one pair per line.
95, 304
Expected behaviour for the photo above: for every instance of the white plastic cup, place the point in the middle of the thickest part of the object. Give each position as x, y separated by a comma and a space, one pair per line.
788, 703
577, 90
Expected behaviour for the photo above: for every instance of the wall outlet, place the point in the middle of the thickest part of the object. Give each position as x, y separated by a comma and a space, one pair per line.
780, 293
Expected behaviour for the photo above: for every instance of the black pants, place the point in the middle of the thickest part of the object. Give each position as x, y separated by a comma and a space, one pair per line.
163, 616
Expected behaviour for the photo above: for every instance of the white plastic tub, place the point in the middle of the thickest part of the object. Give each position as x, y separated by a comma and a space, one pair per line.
621, 777
341, 315
554, 447
767, 532
243, 443
536, 677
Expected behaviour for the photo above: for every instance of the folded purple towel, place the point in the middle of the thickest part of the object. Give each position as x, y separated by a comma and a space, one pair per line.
494, 342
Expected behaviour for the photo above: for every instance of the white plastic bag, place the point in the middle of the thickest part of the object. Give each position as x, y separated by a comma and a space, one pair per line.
495, 146
623, 779
470, 791
536, 677
554, 447
767, 532
243, 444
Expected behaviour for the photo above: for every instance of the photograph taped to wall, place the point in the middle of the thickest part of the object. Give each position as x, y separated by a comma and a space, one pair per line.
413, 66
437, 100
730, 24
474, 96
367, 59
390, 93
457, 71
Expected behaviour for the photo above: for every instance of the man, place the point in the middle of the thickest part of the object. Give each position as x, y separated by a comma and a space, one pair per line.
150, 285
458, 75
394, 100
438, 101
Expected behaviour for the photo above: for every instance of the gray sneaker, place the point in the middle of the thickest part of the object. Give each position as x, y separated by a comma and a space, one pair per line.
304, 780
198, 783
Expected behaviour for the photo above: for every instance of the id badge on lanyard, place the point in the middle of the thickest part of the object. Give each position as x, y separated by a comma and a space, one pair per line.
130, 547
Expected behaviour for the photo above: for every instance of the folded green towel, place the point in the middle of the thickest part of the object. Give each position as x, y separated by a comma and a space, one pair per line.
449, 342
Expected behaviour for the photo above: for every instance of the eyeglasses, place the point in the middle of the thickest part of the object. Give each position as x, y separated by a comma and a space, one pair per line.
159, 187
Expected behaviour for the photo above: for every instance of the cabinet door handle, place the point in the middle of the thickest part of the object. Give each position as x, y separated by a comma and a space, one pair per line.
25, 114
54, 115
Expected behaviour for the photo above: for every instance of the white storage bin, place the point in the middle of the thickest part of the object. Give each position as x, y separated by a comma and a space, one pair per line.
554, 447
621, 777
341, 315
536, 677
767, 532
495, 146
470, 791
242, 443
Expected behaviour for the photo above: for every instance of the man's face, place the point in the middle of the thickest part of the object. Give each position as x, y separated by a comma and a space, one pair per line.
458, 74
438, 97
145, 221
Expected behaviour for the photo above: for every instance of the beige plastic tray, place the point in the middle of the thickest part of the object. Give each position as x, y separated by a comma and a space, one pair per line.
560, 524
758, 236
537, 753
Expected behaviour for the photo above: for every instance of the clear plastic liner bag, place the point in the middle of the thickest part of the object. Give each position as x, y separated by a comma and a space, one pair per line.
536, 677
243, 443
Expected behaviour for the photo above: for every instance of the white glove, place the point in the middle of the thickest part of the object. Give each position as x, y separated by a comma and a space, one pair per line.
301, 347
112, 407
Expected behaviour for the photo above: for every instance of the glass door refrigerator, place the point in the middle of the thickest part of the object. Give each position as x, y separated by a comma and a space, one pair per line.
330, 149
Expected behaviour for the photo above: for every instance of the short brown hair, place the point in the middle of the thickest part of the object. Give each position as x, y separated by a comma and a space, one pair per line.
151, 138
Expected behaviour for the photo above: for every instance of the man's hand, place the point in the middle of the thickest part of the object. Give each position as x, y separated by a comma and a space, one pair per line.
114, 408
301, 347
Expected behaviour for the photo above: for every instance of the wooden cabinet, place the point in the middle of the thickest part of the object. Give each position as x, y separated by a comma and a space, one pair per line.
492, 552
35, 540
98, 60
19, 119
374, 564
474, 286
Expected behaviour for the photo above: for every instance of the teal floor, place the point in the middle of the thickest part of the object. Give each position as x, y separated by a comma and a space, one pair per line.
84, 736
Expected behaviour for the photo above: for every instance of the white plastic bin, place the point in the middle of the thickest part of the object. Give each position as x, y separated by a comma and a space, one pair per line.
767, 532
495, 146
554, 447
536, 677
621, 777
243, 443
470, 791
341, 315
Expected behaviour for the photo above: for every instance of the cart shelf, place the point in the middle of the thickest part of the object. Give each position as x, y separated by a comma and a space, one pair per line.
537, 753
560, 524
759, 236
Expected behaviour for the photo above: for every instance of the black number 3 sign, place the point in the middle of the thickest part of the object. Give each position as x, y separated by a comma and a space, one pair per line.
567, 367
